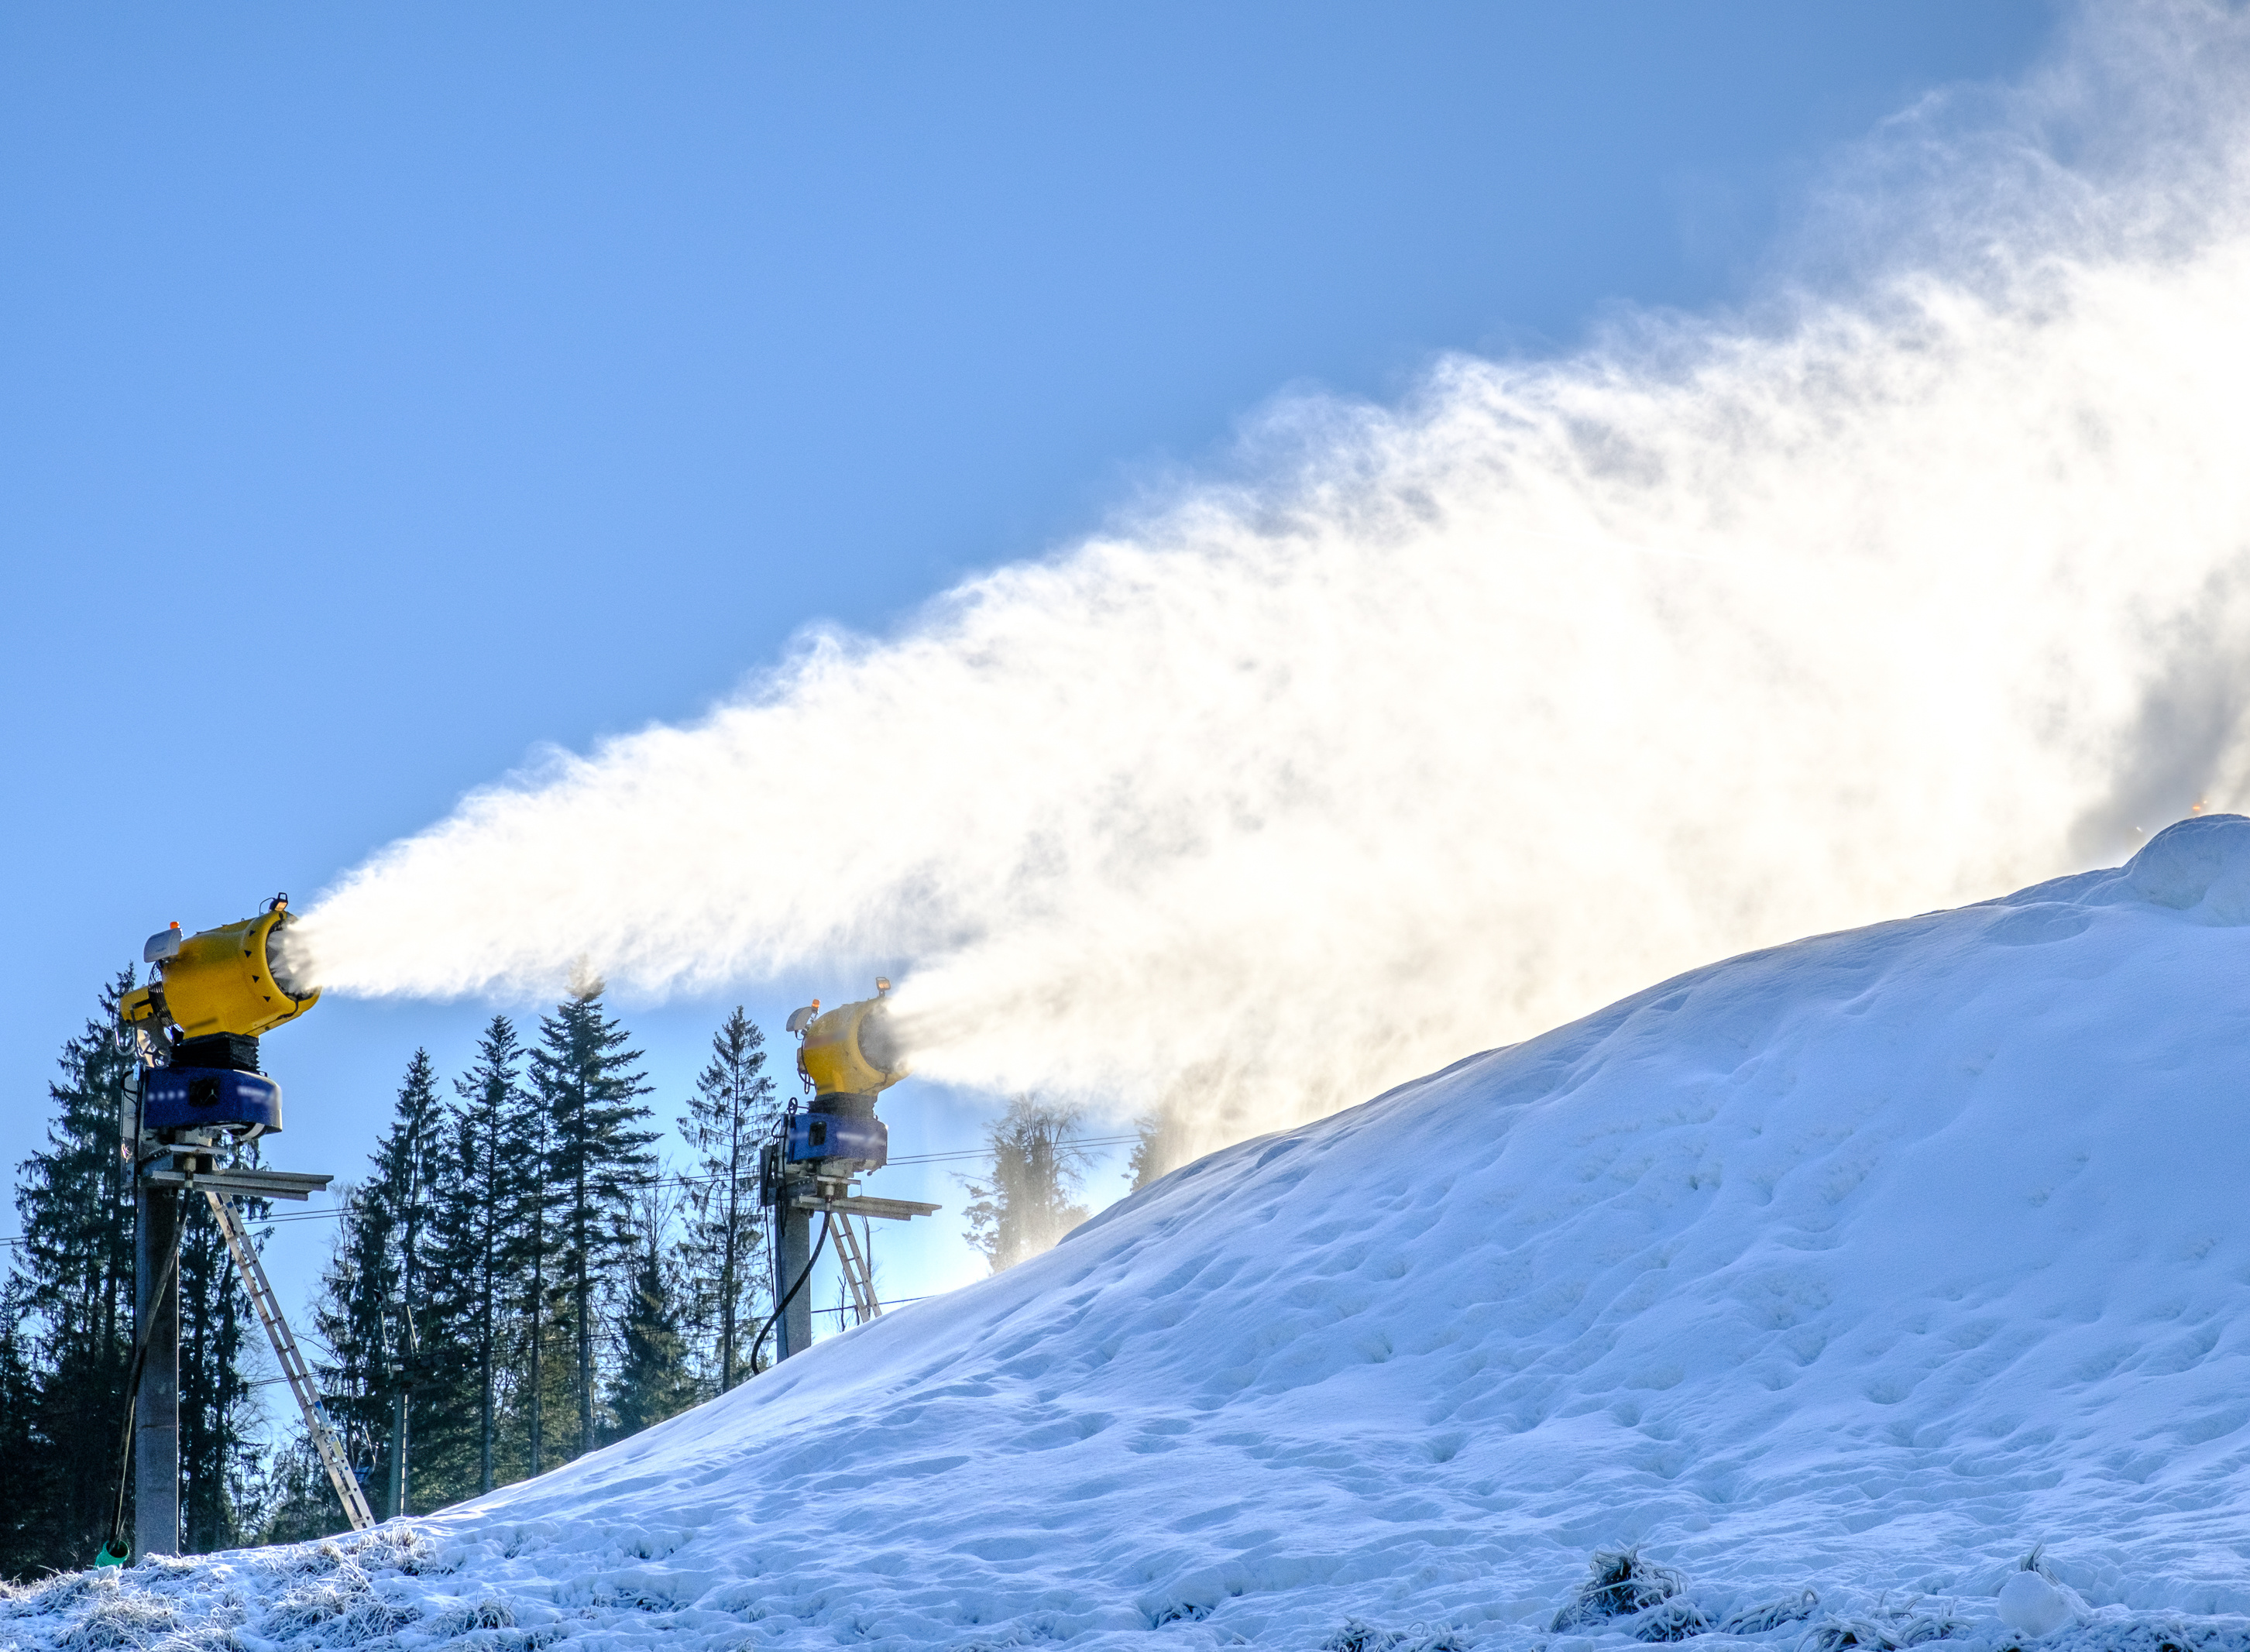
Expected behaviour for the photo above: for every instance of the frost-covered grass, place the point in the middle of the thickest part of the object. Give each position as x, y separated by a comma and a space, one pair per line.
397, 1588
1802, 1293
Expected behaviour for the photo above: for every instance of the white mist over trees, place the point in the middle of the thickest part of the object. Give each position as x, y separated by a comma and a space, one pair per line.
1023, 1199
1435, 724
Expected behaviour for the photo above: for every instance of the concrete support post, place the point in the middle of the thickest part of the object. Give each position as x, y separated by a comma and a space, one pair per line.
156, 1405
792, 1252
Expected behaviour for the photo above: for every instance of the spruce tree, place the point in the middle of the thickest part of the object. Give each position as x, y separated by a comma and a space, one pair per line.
1160, 1149
374, 1289
70, 1299
723, 1252
1020, 1202
404, 1161
600, 1154
299, 1505
476, 1235
444, 1371
533, 1244
68, 1355
654, 1381
19, 1464
357, 1290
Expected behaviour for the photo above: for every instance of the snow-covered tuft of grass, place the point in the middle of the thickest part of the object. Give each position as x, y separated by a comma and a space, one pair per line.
1883, 1630
119, 1617
1622, 1584
1359, 1635
487, 1612
1761, 1619
55, 1592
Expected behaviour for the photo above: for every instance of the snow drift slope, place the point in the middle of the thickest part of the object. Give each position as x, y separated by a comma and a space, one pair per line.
1864, 1262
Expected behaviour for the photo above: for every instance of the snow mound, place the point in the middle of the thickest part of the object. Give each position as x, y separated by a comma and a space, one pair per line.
1858, 1266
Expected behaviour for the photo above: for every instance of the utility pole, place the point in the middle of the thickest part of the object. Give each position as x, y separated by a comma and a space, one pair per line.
403, 1367
156, 1404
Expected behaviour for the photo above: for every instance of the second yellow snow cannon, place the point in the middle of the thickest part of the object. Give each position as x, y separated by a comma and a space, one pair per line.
848, 1056
853, 1050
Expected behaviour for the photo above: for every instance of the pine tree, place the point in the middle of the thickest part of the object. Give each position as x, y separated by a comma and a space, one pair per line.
476, 1234
652, 1381
445, 1370
533, 1241
299, 1503
403, 1160
733, 1111
1020, 1202
18, 1459
409, 1161
600, 1152
71, 1300
1161, 1149
375, 1288
357, 1290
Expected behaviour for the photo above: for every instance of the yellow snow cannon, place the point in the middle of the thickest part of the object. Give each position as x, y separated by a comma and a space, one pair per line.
221, 982
197, 1024
852, 1050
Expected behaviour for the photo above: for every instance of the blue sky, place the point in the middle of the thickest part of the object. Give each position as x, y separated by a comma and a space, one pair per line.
390, 391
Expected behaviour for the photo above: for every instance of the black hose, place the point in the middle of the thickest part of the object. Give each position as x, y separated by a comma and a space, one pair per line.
132, 1394
827, 1219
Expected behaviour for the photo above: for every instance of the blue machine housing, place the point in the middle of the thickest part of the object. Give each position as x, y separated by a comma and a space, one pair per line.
816, 1135
194, 1097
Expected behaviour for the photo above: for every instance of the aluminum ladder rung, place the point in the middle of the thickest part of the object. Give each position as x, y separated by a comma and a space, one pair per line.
300, 1375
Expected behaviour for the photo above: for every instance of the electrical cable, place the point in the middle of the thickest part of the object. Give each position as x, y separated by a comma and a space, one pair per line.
132, 1394
827, 1221
700, 1181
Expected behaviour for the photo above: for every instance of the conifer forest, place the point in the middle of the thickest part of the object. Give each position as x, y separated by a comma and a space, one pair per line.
517, 1278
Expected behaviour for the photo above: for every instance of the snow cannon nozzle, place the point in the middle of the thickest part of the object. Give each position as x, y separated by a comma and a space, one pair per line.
853, 1050
196, 1025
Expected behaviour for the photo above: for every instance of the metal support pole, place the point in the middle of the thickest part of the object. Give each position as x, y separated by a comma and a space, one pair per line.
156, 1405
399, 1453
792, 1254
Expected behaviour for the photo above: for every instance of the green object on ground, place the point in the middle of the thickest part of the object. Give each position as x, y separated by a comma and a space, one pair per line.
112, 1557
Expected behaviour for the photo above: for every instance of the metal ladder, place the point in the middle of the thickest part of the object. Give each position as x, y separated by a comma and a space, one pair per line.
852, 1257
317, 1427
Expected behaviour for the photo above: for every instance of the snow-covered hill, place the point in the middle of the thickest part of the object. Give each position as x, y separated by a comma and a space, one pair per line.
1863, 1265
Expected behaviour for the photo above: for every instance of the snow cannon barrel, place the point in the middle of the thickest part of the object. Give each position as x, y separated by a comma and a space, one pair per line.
853, 1050
210, 996
222, 981
848, 1056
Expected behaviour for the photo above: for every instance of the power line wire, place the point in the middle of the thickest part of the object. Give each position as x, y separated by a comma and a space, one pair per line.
698, 1181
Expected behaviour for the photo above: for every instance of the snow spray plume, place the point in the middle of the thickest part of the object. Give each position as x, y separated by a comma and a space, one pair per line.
1467, 716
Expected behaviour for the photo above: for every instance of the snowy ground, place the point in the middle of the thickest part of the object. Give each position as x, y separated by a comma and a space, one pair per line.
1861, 1265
